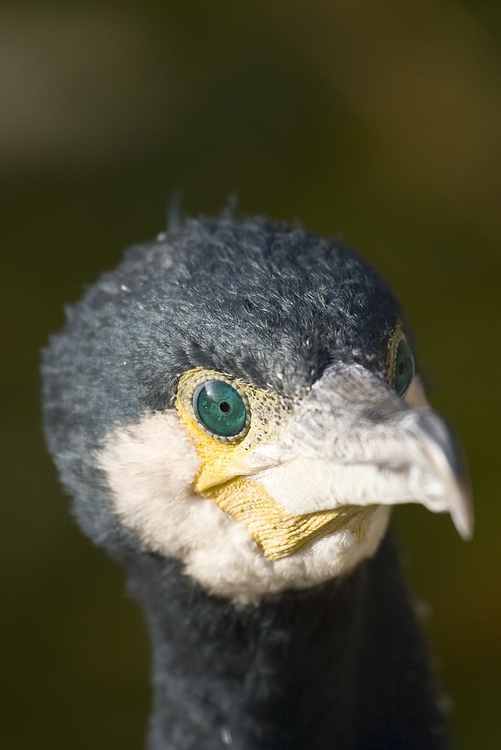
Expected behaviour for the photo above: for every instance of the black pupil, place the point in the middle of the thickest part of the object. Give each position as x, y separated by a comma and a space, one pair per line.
401, 368
224, 406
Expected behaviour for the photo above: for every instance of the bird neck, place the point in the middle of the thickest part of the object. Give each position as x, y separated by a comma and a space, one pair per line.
342, 665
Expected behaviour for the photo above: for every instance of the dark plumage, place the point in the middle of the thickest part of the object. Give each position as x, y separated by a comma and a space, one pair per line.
340, 664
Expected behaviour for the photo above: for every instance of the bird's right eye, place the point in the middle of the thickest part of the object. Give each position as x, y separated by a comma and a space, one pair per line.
221, 408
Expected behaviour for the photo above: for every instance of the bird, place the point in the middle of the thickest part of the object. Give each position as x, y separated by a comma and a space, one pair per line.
235, 409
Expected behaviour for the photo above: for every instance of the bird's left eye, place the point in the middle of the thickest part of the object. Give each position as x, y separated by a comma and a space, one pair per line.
221, 408
404, 368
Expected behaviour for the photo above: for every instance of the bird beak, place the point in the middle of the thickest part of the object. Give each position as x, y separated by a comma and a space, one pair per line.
354, 442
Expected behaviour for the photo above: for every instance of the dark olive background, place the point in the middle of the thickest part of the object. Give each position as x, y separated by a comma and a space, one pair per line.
377, 121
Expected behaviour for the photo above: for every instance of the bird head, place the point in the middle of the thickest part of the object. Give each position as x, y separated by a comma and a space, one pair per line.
242, 396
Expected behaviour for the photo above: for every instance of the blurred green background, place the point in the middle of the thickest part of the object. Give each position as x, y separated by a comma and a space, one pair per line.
377, 121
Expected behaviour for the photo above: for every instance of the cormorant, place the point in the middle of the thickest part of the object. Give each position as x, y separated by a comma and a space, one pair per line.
235, 408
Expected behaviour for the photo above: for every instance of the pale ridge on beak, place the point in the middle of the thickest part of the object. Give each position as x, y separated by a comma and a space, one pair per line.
355, 442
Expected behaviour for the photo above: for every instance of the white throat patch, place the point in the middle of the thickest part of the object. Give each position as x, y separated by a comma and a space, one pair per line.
150, 469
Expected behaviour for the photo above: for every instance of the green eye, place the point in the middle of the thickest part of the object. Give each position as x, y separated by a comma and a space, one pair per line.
221, 408
404, 368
